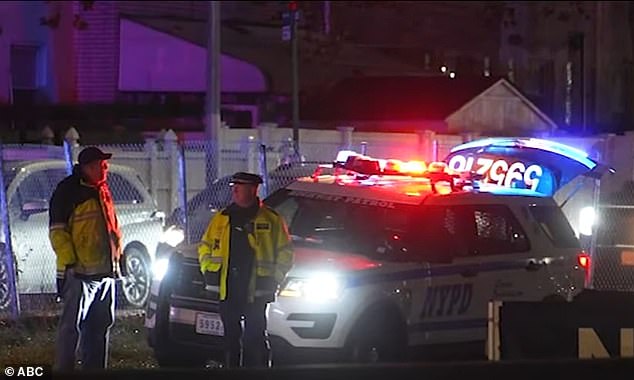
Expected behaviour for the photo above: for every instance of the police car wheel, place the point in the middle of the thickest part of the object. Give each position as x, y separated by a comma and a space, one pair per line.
5, 296
377, 340
136, 285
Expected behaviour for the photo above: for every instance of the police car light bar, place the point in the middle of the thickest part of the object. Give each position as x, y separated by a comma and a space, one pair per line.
545, 145
352, 161
442, 179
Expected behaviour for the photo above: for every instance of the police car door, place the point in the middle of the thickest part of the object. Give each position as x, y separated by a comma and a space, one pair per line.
445, 310
492, 266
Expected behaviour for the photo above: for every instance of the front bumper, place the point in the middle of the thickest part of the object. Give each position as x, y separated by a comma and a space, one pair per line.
314, 325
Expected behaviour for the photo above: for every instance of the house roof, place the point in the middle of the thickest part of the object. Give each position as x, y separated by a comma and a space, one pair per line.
516, 92
397, 98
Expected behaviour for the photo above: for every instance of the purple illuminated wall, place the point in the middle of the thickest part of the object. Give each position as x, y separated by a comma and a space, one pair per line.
155, 61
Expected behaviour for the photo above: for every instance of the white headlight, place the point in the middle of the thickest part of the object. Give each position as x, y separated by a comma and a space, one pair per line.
159, 268
319, 287
173, 236
587, 218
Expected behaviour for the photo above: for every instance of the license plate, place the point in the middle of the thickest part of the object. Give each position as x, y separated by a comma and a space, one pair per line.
209, 324
627, 258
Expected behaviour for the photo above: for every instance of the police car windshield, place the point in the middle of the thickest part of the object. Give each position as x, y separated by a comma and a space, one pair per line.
344, 228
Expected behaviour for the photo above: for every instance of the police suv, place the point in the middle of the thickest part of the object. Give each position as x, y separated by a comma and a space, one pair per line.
390, 256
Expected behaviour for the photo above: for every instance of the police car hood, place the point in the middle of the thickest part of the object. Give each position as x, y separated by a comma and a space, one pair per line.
309, 260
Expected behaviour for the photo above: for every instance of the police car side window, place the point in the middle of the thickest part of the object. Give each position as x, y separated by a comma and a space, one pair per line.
496, 231
440, 233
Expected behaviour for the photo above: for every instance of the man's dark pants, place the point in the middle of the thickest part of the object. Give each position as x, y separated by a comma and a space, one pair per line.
255, 346
87, 316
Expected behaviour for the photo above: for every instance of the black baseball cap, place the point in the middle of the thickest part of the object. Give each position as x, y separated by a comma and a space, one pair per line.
246, 178
91, 154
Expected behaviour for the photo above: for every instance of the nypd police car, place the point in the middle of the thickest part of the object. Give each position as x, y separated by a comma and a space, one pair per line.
390, 257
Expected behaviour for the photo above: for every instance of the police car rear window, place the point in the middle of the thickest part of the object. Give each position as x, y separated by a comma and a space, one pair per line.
555, 226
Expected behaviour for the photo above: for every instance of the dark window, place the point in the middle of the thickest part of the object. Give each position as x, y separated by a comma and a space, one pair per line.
440, 233
123, 192
496, 231
555, 226
372, 231
24, 67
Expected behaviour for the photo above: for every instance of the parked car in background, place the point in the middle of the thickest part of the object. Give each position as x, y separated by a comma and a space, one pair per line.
29, 188
203, 205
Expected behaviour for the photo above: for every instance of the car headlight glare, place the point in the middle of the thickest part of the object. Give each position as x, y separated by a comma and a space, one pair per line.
159, 268
320, 287
173, 236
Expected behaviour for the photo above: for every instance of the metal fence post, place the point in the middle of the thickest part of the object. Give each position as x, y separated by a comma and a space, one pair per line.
182, 188
68, 157
152, 152
264, 190
9, 259
171, 146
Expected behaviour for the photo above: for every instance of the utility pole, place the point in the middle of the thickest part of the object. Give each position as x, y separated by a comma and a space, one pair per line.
212, 104
295, 71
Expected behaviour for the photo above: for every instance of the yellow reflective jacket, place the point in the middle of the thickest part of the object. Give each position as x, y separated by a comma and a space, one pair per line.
269, 240
83, 229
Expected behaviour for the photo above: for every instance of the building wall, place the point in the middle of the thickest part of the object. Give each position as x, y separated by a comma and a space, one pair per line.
543, 51
97, 52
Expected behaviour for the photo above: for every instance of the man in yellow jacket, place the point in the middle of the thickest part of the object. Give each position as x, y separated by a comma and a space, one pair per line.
248, 245
86, 238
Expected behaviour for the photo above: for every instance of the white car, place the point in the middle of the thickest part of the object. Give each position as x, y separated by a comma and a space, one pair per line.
29, 188
386, 262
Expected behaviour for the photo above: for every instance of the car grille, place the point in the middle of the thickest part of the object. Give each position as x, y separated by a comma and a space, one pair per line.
189, 283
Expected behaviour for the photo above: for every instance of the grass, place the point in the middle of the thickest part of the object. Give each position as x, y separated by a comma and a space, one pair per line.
31, 340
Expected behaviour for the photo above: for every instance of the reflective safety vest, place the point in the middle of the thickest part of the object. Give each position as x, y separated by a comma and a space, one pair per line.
83, 229
269, 240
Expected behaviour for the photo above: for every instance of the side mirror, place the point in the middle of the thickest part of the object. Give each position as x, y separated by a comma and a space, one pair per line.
32, 207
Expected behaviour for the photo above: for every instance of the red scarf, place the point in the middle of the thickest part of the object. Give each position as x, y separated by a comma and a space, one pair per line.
112, 224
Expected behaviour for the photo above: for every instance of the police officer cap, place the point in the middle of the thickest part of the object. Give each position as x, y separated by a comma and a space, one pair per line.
248, 178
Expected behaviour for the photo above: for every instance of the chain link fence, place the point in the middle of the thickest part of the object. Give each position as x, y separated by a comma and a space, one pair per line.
29, 176
614, 253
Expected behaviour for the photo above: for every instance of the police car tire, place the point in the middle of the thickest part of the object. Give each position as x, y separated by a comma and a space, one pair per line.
378, 337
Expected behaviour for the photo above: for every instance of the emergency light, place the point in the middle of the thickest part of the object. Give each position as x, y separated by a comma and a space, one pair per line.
351, 167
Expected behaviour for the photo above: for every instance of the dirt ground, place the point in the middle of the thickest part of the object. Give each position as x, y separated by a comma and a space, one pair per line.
31, 340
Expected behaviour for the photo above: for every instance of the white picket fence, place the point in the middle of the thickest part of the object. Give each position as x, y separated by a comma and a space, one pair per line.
157, 160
